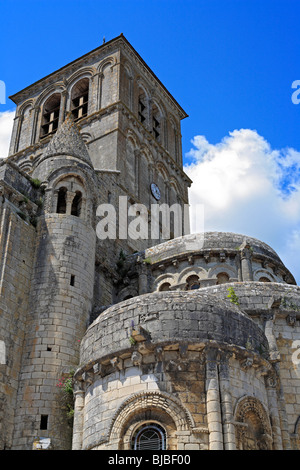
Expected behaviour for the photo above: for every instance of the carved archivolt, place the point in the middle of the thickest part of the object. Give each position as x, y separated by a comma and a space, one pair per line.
149, 401
252, 425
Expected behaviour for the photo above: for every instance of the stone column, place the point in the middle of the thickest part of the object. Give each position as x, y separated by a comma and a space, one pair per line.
70, 197
271, 383
226, 404
100, 86
284, 425
137, 171
246, 261
78, 418
18, 134
51, 202
143, 280
62, 110
213, 407
35, 126
93, 90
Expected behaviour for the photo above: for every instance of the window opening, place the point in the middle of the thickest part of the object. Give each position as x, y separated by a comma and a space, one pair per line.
165, 287
72, 280
62, 201
80, 97
192, 282
76, 204
141, 112
150, 437
50, 115
156, 127
264, 279
44, 422
222, 278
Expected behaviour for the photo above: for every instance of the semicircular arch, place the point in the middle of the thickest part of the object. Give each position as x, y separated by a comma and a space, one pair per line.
192, 271
149, 400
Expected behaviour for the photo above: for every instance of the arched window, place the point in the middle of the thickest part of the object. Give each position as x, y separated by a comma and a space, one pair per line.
150, 436
142, 107
264, 279
192, 282
156, 118
79, 99
164, 287
76, 204
128, 297
50, 115
255, 431
222, 278
61, 201
69, 197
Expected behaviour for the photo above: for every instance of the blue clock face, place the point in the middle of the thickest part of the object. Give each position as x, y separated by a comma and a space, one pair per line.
155, 191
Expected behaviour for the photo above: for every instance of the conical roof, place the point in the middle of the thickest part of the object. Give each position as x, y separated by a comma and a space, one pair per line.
68, 141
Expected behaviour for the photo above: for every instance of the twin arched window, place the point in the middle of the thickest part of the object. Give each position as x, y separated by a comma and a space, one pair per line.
62, 202
52, 106
155, 112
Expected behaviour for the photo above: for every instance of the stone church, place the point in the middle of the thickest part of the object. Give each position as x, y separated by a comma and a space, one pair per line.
187, 342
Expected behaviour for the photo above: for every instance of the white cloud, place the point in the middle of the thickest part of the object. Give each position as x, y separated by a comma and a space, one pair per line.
6, 124
247, 187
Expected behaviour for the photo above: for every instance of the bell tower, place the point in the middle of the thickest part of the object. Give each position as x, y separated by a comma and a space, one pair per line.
128, 120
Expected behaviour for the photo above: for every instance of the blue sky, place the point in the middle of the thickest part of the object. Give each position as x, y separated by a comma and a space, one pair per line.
229, 63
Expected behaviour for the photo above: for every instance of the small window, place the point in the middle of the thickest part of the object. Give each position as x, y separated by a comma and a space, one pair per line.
156, 123
142, 109
76, 204
72, 280
222, 278
164, 287
79, 99
44, 422
192, 282
264, 279
50, 115
149, 437
155, 128
61, 201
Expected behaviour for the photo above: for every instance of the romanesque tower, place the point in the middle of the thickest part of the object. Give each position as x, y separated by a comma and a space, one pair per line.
61, 284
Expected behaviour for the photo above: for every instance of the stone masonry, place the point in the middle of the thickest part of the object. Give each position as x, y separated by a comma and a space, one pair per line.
185, 343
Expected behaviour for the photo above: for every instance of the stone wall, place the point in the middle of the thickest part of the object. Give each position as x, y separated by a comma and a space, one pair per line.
18, 215
17, 240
